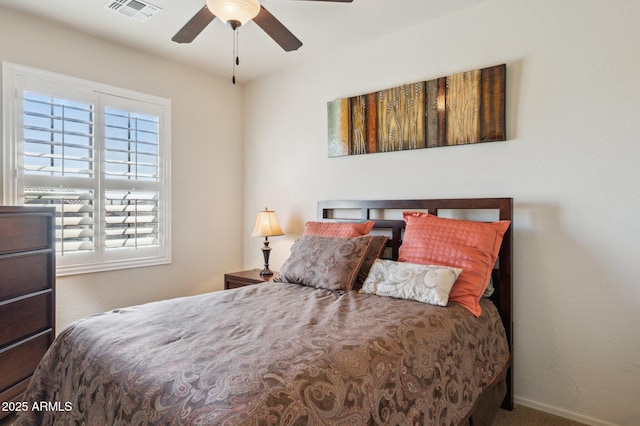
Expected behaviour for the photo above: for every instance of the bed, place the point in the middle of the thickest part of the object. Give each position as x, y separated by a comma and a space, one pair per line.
285, 353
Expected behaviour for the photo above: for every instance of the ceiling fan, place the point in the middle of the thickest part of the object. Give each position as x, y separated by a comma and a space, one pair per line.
236, 13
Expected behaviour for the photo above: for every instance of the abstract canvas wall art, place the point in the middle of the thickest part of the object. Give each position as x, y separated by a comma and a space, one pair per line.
463, 108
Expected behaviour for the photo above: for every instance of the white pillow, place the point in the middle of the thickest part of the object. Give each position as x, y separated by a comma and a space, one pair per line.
424, 283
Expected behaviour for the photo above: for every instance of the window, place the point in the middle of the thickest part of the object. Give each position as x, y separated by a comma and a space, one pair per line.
100, 155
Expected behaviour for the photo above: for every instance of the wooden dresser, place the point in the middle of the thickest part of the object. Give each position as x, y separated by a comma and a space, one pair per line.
27, 285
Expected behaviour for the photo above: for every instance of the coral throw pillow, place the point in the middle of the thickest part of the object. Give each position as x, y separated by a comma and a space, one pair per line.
468, 245
338, 229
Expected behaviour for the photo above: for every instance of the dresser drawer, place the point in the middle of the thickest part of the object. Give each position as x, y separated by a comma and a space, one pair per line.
18, 361
14, 394
24, 317
230, 284
23, 232
25, 273
243, 278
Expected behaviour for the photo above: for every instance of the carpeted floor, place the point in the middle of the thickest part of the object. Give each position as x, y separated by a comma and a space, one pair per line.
525, 416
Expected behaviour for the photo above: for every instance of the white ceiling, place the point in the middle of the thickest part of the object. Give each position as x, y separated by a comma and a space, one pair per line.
322, 27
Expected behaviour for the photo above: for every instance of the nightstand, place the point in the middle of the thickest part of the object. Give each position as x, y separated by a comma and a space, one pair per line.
242, 278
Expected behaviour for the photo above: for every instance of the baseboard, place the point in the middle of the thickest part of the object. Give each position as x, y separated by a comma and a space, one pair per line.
561, 412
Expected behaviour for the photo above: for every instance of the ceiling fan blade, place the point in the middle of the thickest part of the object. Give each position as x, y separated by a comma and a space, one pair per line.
278, 32
194, 26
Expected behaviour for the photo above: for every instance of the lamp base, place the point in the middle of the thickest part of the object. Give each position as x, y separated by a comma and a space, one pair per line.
266, 271
266, 250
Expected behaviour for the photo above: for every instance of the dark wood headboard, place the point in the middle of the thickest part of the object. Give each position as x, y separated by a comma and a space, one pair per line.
382, 212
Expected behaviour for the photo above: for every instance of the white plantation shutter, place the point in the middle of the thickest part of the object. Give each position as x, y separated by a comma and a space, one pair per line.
59, 144
74, 216
100, 156
134, 215
132, 154
58, 136
131, 145
131, 219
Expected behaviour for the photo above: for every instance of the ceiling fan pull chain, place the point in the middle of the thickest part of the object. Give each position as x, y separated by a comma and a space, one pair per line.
236, 60
237, 47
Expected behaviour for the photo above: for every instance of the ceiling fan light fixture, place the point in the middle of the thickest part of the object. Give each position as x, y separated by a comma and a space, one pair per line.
234, 12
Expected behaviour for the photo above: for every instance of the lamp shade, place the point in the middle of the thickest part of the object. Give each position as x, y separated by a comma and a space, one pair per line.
267, 225
230, 11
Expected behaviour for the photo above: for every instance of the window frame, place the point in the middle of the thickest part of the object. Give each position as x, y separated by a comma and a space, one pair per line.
15, 80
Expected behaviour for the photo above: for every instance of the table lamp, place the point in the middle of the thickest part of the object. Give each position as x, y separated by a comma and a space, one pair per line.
266, 226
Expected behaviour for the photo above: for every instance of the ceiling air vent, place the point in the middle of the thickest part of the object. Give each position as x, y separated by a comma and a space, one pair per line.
136, 9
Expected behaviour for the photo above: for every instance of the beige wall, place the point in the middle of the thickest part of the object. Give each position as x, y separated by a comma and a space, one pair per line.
206, 163
571, 164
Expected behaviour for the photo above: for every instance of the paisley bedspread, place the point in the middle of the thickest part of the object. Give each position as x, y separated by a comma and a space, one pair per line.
267, 354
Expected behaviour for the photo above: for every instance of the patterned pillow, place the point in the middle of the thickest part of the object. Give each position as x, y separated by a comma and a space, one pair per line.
424, 283
325, 262
471, 246
338, 229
